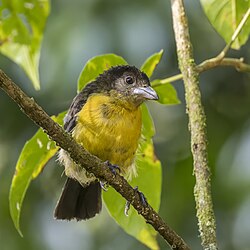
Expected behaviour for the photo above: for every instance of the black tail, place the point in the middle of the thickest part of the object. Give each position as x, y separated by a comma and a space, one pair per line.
78, 202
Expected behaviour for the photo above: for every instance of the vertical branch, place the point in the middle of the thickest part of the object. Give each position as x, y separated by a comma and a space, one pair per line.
197, 126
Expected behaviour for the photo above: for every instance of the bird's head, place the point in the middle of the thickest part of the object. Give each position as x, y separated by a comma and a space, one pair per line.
128, 83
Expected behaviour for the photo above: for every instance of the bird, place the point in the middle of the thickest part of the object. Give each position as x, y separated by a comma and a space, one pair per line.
105, 118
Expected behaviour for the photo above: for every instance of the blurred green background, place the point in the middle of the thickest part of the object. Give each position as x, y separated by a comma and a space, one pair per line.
78, 30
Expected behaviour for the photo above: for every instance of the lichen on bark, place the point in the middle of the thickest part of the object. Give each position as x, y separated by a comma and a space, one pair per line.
197, 127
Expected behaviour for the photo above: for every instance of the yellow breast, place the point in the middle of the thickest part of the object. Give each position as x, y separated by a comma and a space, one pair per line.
109, 129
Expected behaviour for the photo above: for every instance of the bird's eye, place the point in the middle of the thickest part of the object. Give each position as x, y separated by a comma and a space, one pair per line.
129, 80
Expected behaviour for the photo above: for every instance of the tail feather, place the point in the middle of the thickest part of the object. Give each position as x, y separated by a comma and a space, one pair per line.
78, 202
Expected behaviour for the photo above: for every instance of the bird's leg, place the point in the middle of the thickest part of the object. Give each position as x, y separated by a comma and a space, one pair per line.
142, 198
113, 168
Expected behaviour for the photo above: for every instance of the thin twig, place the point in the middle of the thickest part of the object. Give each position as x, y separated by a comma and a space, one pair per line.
197, 126
237, 63
91, 163
220, 59
234, 36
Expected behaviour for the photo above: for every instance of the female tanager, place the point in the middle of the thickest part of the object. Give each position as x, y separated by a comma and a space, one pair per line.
105, 118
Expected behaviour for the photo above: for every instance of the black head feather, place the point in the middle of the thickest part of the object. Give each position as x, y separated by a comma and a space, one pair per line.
111, 82
110, 76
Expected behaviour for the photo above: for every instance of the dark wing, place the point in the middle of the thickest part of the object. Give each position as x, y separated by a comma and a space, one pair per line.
78, 103
75, 107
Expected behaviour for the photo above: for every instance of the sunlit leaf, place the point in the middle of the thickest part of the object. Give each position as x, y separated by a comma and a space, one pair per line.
150, 64
148, 181
35, 154
166, 92
225, 16
21, 31
96, 65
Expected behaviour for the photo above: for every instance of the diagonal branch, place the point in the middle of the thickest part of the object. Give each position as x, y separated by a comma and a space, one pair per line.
91, 163
197, 126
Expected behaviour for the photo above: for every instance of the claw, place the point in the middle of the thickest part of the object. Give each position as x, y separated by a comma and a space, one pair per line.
127, 207
104, 185
113, 168
142, 198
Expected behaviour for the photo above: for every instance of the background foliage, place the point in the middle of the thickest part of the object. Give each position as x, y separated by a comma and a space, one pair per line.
134, 30
22, 44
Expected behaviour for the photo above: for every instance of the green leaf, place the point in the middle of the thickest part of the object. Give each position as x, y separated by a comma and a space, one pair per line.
148, 128
148, 181
225, 15
166, 92
150, 64
96, 65
21, 31
35, 154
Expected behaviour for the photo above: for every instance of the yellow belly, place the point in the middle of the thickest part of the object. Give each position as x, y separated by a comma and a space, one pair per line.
109, 130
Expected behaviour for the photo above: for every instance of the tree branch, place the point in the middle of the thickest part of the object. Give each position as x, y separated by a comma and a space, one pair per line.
220, 59
197, 126
91, 163
237, 63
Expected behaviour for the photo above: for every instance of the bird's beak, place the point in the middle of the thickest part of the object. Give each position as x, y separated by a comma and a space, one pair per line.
146, 92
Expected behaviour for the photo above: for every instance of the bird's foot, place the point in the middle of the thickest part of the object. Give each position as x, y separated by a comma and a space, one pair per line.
142, 198
113, 168
104, 185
